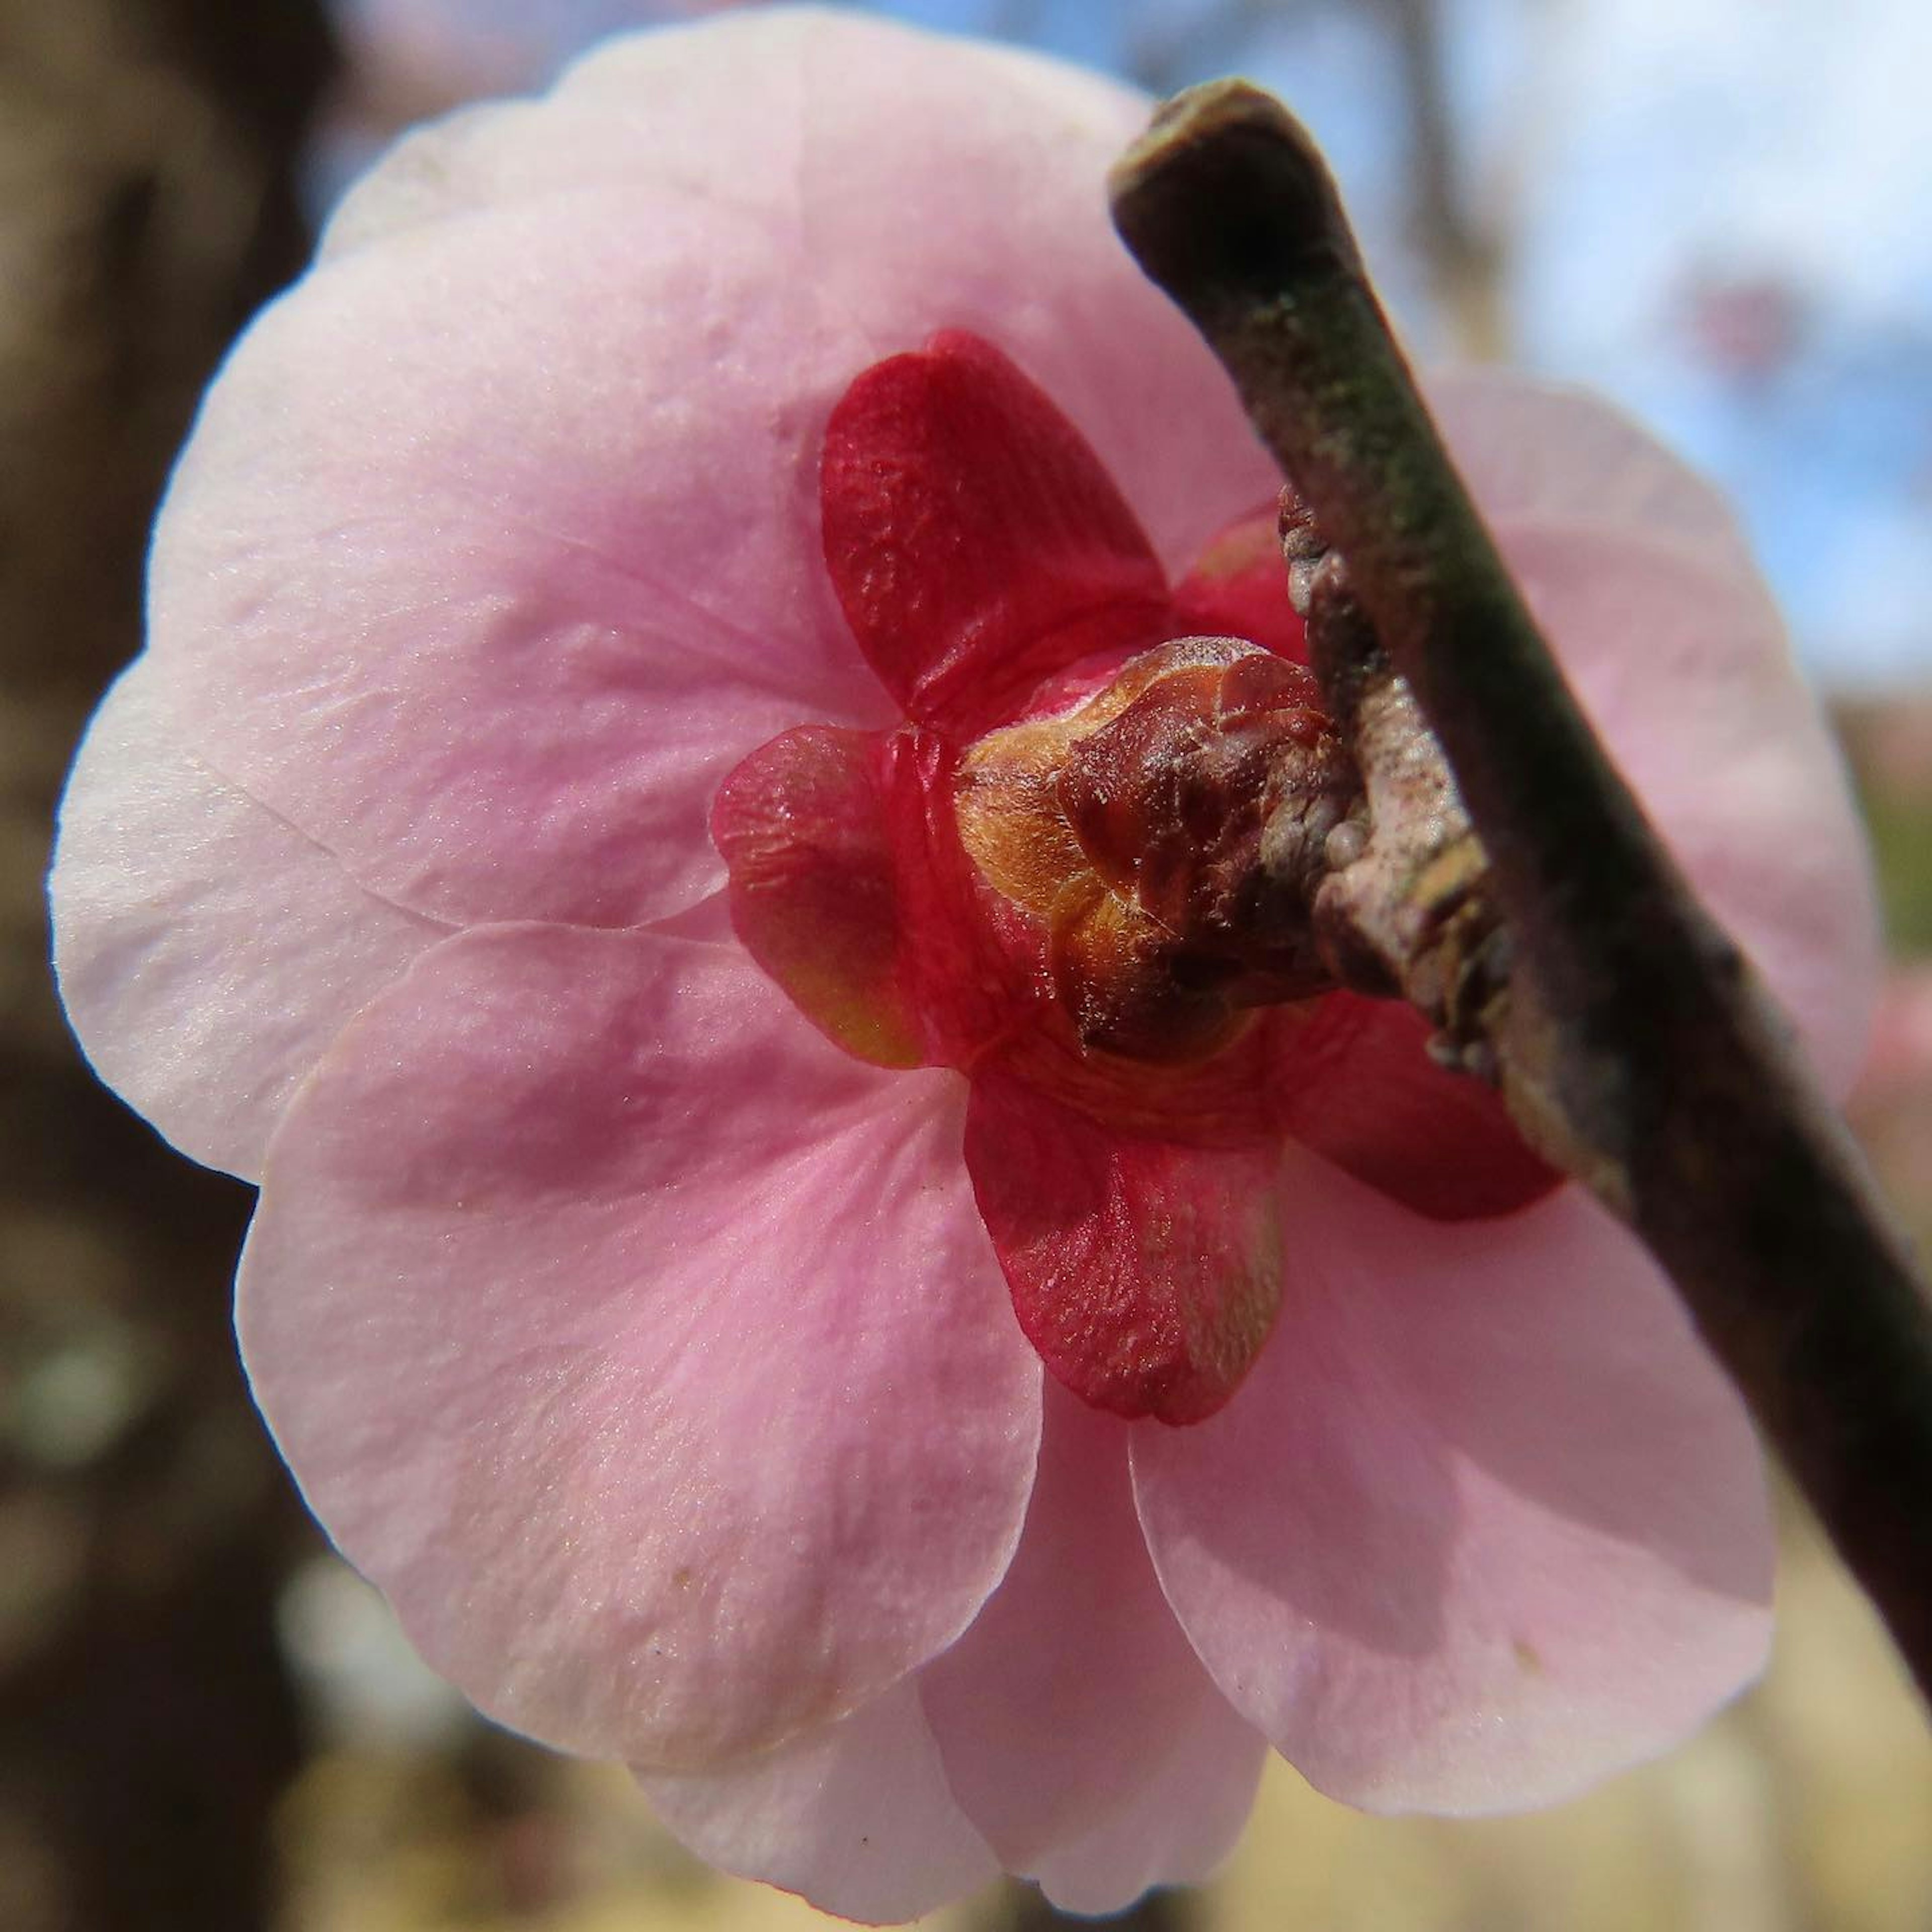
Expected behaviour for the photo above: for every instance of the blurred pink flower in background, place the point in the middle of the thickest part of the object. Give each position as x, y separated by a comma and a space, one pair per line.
1891, 1107
647, 1347
1900, 1064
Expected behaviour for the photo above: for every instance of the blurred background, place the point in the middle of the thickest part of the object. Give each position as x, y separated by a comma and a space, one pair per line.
1719, 210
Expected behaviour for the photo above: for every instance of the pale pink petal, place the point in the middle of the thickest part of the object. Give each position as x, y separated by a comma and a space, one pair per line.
1682, 667
644, 1349
441, 168
997, 159
1898, 1070
1178, 1831
1529, 448
642, 109
645, 109
1484, 1524
1077, 1729
497, 544
1636, 567
206, 952
858, 1818
495, 547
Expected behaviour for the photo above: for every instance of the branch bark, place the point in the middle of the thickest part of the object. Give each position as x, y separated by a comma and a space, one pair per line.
1569, 962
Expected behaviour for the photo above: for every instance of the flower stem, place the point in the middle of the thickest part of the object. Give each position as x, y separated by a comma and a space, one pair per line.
1627, 1032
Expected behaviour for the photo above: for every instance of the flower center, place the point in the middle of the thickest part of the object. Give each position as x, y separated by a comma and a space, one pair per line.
1109, 890
1080, 873
1166, 832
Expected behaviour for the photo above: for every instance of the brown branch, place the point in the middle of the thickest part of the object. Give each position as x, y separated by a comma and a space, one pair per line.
1628, 1034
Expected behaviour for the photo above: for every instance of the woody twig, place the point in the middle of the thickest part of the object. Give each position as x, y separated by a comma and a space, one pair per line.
1529, 911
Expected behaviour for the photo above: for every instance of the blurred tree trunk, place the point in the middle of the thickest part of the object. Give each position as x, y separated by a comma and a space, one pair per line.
147, 151
1463, 254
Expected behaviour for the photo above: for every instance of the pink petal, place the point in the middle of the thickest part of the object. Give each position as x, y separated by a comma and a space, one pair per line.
998, 156
206, 952
497, 545
1179, 1831
1898, 1072
492, 612
976, 545
1682, 666
1537, 450
1485, 1523
645, 109
1147, 1273
1351, 1078
1074, 1709
1635, 564
858, 1819
643, 1348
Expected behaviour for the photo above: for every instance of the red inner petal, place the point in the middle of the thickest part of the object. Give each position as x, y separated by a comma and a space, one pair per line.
1351, 1078
975, 540
1147, 1274
972, 961
1238, 588
802, 827
850, 887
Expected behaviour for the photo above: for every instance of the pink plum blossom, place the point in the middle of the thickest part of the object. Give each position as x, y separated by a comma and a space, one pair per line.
706, 1274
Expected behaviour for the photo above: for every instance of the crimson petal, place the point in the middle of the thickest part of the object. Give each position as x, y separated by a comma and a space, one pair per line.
1351, 1078
976, 542
1238, 588
1147, 1274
